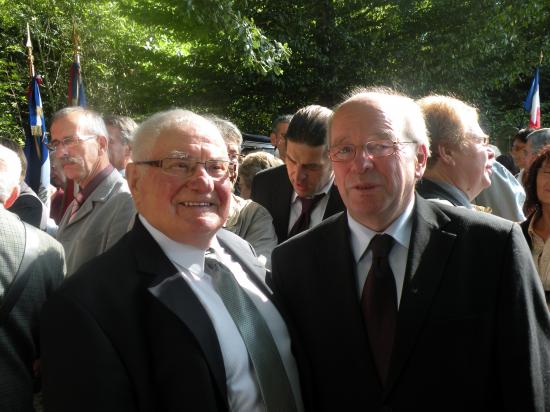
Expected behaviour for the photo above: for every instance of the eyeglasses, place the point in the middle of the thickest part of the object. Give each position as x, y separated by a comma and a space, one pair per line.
184, 167
67, 142
374, 148
482, 140
235, 157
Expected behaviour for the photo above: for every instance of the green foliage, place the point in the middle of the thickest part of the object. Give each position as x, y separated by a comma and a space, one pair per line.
250, 60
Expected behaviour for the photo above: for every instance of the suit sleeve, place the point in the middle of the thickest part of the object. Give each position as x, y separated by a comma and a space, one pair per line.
123, 214
78, 362
523, 346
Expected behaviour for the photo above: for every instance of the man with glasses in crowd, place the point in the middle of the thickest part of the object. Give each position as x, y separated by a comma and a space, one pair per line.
175, 316
402, 304
102, 209
120, 129
461, 161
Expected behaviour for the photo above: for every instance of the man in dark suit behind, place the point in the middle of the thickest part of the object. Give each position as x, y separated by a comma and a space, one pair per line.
146, 326
19, 343
307, 173
406, 305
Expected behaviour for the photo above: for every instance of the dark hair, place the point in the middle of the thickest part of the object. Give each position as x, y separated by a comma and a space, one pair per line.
522, 134
284, 118
309, 125
532, 202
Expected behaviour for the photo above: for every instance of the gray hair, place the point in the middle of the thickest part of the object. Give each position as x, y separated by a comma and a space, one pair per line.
125, 124
229, 131
539, 138
147, 133
405, 113
447, 119
10, 171
255, 162
94, 123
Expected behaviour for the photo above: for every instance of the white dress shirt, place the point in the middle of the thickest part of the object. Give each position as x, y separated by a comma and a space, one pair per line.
242, 388
400, 230
318, 211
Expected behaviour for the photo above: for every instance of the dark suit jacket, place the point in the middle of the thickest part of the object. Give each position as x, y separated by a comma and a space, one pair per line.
430, 189
126, 333
272, 189
30, 208
19, 343
473, 330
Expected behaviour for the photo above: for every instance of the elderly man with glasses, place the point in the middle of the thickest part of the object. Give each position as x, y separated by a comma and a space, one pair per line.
461, 163
102, 209
175, 316
400, 304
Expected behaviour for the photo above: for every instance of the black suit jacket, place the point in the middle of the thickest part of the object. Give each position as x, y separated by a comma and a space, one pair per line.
126, 333
272, 189
473, 331
30, 208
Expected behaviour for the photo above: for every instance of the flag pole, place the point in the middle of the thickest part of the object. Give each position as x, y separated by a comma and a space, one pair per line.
541, 57
30, 59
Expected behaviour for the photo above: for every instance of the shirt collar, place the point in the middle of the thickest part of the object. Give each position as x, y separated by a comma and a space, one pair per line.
93, 184
181, 254
400, 230
325, 189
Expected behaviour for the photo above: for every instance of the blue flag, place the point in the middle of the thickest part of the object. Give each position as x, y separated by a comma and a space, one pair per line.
77, 94
36, 152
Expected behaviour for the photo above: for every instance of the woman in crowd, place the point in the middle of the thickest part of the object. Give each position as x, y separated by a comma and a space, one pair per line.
253, 163
537, 207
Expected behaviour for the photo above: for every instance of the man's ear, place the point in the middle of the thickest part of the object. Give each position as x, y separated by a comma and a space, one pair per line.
103, 143
132, 177
421, 160
12, 197
446, 155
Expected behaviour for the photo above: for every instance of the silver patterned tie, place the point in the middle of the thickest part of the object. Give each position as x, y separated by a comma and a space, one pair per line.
270, 372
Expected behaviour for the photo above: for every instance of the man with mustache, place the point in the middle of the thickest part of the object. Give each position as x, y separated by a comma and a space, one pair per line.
402, 304
460, 165
102, 210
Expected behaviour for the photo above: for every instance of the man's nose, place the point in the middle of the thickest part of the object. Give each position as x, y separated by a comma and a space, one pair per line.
200, 179
363, 160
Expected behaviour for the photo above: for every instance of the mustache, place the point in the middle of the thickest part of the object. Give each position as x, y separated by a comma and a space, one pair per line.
67, 160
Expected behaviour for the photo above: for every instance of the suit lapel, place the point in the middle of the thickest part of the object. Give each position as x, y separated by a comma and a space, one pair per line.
430, 248
100, 194
168, 286
334, 204
281, 201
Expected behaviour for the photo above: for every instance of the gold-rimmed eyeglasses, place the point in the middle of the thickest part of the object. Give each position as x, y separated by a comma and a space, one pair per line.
185, 167
374, 149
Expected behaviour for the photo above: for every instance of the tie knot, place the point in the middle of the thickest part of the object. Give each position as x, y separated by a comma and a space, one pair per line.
309, 203
381, 245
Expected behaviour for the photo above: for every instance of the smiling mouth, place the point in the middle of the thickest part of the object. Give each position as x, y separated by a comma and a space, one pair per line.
197, 204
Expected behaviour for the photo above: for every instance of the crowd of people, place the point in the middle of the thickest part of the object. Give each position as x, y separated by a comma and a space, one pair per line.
383, 259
